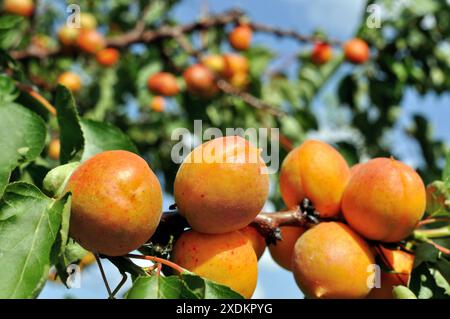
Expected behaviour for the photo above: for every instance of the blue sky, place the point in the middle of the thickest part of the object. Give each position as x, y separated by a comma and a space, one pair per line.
339, 19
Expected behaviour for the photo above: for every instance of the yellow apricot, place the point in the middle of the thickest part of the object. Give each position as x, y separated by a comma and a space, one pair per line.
316, 171
332, 261
401, 264
257, 240
228, 259
282, 252
222, 185
384, 200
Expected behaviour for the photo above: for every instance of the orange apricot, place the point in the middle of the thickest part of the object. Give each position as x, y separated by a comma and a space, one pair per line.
235, 63
257, 240
332, 261
401, 263
200, 80
384, 200
108, 56
283, 251
228, 259
222, 185
316, 171
240, 37
116, 203
71, 80
90, 41
356, 51
68, 35
54, 149
163, 83
158, 104
23, 8
322, 53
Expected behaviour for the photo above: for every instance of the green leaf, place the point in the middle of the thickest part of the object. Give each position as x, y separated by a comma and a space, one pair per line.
402, 292
438, 194
71, 135
9, 22
56, 179
156, 287
207, 289
23, 138
8, 89
29, 225
99, 137
446, 171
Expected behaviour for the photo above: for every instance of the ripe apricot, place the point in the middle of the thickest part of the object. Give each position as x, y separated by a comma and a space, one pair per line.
356, 51
355, 168
214, 62
322, 53
384, 200
157, 104
316, 171
235, 63
239, 80
90, 41
332, 261
23, 8
401, 264
222, 185
283, 251
163, 83
257, 240
240, 37
228, 259
87, 21
116, 203
200, 80
54, 149
108, 56
71, 80
68, 35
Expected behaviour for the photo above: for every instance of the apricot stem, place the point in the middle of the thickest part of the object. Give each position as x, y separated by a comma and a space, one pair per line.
105, 280
432, 221
158, 260
433, 233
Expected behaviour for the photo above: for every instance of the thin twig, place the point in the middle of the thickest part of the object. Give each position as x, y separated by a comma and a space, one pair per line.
105, 280
158, 260
120, 285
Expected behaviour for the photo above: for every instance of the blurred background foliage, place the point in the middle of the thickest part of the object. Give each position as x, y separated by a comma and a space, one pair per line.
409, 50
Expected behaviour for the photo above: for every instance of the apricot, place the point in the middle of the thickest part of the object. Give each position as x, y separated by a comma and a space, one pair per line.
401, 264
355, 168
240, 37
316, 171
23, 8
87, 21
214, 62
163, 83
332, 261
90, 41
322, 53
200, 80
116, 203
239, 80
234, 64
384, 200
228, 259
68, 35
283, 251
54, 149
257, 240
71, 80
157, 104
222, 185
108, 56
356, 51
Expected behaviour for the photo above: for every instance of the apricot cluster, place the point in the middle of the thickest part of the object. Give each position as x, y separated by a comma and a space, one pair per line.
381, 200
220, 188
356, 51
